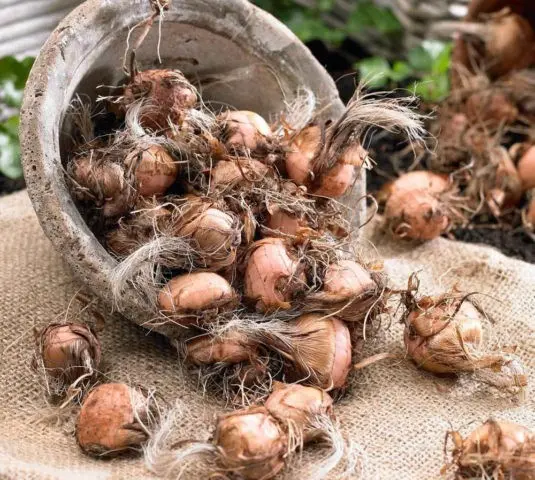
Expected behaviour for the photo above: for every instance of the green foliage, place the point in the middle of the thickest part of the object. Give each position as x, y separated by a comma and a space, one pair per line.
308, 24
13, 76
369, 17
9, 148
426, 65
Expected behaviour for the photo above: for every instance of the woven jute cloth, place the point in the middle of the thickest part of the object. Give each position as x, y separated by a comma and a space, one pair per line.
396, 414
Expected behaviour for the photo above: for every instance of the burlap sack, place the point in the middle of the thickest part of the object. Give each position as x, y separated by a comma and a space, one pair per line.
395, 413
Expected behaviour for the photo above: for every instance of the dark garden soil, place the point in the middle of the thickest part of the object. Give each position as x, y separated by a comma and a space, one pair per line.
7, 185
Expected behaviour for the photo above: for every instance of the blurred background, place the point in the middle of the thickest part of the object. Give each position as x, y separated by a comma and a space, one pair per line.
389, 43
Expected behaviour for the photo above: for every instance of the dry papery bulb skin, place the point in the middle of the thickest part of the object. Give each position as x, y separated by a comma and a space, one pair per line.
231, 348
243, 128
68, 351
443, 333
320, 352
226, 174
167, 92
155, 170
213, 233
272, 275
295, 406
147, 221
189, 297
351, 290
109, 420
509, 44
495, 449
251, 443
104, 183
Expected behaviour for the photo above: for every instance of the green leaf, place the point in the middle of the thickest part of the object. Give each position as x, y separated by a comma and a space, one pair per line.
401, 71
11, 126
442, 61
10, 95
307, 27
15, 70
432, 88
325, 5
420, 59
368, 16
375, 71
10, 164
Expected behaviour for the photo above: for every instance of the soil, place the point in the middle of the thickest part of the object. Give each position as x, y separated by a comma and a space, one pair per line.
7, 185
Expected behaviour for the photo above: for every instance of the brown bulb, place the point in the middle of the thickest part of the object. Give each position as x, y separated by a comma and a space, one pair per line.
186, 298
244, 129
417, 180
302, 150
296, 406
167, 94
251, 443
321, 352
442, 336
68, 351
336, 181
284, 222
214, 235
108, 423
416, 215
271, 275
155, 170
103, 183
230, 348
227, 174
496, 449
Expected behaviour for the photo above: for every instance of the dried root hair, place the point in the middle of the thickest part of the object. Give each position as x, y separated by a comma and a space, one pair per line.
81, 114
363, 112
228, 381
297, 114
142, 269
149, 409
344, 457
169, 459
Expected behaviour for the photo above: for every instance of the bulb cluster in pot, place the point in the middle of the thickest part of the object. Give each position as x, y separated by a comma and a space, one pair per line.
218, 217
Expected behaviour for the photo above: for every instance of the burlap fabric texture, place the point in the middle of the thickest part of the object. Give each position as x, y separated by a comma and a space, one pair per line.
395, 413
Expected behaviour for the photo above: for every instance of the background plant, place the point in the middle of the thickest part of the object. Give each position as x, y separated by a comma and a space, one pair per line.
13, 76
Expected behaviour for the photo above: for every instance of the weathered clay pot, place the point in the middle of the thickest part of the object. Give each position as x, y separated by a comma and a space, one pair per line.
202, 38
